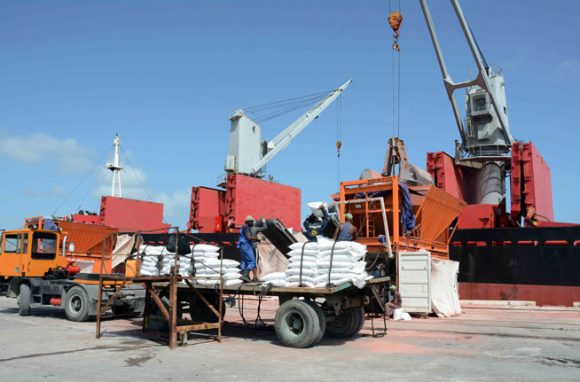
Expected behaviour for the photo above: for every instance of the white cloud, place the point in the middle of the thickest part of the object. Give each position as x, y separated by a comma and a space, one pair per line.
134, 185
40, 147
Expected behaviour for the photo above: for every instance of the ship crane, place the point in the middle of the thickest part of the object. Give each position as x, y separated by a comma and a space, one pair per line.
485, 132
248, 154
486, 141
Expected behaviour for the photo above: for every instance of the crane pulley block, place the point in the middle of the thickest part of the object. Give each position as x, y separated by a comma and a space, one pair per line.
395, 20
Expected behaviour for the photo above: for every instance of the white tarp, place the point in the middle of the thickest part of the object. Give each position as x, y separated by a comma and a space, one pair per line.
122, 249
444, 288
270, 259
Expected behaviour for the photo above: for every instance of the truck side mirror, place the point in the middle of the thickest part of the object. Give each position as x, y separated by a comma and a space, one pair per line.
71, 247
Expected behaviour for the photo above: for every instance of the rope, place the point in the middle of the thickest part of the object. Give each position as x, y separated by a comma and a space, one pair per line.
398, 94
141, 182
330, 266
338, 137
81, 182
396, 80
301, 263
272, 110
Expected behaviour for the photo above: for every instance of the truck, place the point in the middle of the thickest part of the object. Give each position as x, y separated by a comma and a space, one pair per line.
37, 267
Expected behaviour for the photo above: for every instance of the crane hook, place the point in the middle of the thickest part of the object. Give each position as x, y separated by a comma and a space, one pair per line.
395, 20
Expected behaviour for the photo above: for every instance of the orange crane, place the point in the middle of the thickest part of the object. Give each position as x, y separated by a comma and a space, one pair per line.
38, 265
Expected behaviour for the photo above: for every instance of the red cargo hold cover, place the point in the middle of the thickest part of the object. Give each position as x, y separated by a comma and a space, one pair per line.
531, 183
206, 209
131, 215
246, 195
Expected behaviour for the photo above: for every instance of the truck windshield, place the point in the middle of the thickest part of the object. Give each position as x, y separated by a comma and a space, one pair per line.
43, 246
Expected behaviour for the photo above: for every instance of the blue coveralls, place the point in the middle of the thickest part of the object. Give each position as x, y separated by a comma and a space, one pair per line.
246, 249
344, 233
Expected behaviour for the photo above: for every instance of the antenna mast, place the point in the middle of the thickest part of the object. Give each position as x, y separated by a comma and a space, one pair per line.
116, 168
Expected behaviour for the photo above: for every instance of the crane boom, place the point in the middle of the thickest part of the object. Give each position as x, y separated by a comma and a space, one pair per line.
282, 140
487, 131
248, 153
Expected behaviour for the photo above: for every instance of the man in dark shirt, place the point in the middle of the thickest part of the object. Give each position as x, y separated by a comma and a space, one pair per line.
346, 231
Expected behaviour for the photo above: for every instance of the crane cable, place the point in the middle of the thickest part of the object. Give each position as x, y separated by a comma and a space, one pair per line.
338, 137
395, 21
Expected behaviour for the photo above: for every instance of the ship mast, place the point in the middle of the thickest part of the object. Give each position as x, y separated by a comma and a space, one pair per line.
116, 168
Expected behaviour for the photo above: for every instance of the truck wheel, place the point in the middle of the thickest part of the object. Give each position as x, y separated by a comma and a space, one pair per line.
297, 324
76, 304
24, 300
321, 320
347, 324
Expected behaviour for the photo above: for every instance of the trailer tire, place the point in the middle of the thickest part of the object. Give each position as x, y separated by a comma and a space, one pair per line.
297, 324
346, 324
76, 305
24, 300
321, 320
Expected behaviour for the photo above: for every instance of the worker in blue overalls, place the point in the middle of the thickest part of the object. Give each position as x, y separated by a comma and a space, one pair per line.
346, 231
247, 244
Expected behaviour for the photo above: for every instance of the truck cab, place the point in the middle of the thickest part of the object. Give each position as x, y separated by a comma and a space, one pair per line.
31, 253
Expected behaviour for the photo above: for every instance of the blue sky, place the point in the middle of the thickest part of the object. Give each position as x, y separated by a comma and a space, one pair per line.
166, 75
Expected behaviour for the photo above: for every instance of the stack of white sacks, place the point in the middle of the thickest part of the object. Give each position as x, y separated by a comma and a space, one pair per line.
157, 261
208, 266
322, 263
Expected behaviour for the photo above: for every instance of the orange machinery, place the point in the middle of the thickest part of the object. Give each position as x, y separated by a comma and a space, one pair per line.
40, 267
435, 211
89, 246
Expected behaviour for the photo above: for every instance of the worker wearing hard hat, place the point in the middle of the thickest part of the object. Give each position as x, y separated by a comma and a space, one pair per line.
346, 231
247, 244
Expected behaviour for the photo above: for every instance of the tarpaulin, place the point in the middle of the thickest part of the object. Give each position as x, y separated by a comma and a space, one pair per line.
444, 288
407, 214
123, 247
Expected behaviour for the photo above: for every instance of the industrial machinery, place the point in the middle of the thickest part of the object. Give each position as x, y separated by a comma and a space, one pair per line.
37, 266
507, 251
243, 191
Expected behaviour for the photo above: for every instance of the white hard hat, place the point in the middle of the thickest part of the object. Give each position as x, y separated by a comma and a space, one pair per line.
249, 218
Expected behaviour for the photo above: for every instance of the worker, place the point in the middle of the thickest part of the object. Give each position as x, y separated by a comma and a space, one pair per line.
346, 231
248, 244
396, 302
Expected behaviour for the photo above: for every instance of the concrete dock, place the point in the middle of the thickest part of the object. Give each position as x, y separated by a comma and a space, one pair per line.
483, 344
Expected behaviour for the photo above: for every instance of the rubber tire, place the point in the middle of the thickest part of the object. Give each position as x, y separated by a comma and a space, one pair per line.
24, 300
363, 314
347, 324
75, 295
310, 331
321, 320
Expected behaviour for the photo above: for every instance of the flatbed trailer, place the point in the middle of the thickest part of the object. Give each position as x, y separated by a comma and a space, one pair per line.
304, 317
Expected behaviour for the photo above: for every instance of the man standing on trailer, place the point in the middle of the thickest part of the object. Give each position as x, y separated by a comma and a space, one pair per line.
346, 231
247, 244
